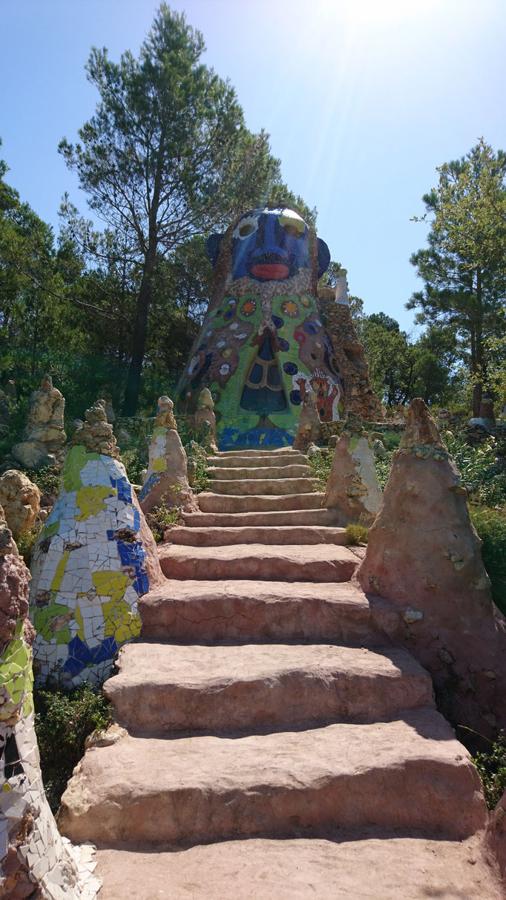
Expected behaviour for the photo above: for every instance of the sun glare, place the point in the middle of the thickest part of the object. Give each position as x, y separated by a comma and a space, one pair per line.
382, 12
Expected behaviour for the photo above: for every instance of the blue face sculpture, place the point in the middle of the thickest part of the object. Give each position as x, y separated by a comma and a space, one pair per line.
270, 245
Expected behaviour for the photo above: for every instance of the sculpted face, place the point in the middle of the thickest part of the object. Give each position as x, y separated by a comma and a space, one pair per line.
270, 245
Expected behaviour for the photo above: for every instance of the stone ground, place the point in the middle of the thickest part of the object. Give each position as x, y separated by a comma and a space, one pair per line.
270, 742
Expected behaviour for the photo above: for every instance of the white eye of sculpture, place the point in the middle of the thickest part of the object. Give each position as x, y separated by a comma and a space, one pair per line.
246, 227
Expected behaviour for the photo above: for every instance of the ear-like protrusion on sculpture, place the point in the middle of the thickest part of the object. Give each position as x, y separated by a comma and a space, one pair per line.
323, 257
213, 244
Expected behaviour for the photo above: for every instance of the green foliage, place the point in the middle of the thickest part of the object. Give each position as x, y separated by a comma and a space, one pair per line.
464, 265
160, 518
483, 476
491, 527
197, 458
26, 542
47, 480
321, 464
63, 721
491, 765
383, 467
357, 534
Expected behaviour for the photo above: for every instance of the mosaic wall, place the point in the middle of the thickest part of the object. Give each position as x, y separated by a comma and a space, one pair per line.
34, 859
263, 345
88, 571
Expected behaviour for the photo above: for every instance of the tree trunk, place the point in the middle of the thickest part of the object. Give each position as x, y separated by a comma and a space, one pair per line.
139, 337
478, 348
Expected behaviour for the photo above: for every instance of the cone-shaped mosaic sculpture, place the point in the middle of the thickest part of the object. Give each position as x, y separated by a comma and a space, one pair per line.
94, 558
34, 860
263, 343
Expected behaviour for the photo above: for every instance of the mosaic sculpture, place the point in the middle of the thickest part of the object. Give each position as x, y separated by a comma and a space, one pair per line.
263, 344
93, 560
166, 478
44, 436
34, 860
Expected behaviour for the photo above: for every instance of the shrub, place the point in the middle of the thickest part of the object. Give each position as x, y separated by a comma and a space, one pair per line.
479, 468
26, 542
47, 480
160, 518
491, 527
63, 721
491, 765
357, 534
321, 464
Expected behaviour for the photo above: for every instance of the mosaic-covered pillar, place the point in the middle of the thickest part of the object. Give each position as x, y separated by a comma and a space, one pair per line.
93, 560
263, 345
167, 475
35, 861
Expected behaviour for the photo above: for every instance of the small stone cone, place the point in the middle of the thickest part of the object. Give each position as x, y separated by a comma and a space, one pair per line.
167, 476
93, 560
309, 428
34, 859
353, 487
20, 499
205, 419
423, 555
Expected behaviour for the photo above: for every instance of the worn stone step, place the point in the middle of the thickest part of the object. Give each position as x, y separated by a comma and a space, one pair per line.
234, 473
289, 562
269, 518
409, 773
262, 486
363, 865
288, 534
210, 502
252, 454
290, 458
251, 687
202, 611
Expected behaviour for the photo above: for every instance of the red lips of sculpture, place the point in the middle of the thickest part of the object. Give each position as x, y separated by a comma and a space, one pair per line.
270, 271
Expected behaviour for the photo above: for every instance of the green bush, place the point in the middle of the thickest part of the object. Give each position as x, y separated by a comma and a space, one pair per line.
479, 468
26, 542
321, 464
491, 527
63, 721
160, 518
491, 765
47, 480
357, 534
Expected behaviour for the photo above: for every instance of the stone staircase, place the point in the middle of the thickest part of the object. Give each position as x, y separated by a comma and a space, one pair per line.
273, 744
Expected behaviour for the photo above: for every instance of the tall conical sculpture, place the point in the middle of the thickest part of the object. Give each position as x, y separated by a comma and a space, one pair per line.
262, 343
93, 560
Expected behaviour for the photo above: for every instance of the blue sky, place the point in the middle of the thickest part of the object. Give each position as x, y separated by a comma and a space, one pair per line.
362, 99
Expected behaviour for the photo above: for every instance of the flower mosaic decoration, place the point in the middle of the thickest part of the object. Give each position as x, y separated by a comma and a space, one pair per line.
263, 332
88, 572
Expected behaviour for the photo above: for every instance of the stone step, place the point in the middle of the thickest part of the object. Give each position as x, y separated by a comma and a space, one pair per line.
294, 517
222, 503
251, 454
290, 458
234, 473
347, 866
262, 486
168, 688
289, 562
288, 534
207, 611
409, 773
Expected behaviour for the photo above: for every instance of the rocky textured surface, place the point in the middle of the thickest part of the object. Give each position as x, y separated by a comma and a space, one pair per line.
34, 860
169, 688
20, 501
496, 834
309, 427
167, 475
205, 418
44, 436
92, 561
353, 488
344, 866
424, 555
95, 434
359, 398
